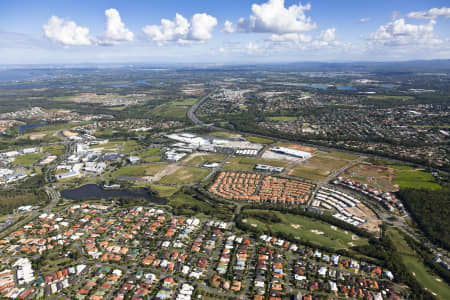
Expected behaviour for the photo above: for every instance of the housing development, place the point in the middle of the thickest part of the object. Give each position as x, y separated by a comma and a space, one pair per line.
204, 183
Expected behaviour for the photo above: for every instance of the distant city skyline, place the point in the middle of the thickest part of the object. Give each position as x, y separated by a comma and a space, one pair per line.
241, 31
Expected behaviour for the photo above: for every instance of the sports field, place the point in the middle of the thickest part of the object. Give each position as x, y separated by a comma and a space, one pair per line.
307, 229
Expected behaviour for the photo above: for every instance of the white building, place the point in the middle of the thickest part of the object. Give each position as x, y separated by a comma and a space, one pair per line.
292, 152
24, 271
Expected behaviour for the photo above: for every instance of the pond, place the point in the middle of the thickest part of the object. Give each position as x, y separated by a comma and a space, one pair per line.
93, 191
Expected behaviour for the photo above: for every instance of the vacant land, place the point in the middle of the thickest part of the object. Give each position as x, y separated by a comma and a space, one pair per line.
185, 175
150, 155
110, 146
408, 177
198, 159
259, 140
307, 229
248, 164
340, 155
414, 265
317, 168
139, 170
297, 147
376, 176
28, 159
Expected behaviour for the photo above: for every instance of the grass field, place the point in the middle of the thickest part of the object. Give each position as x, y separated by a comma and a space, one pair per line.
28, 159
223, 134
131, 146
139, 170
189, 102
317, 168
281, 118
185, 175
116, 145
150, 155
171, 110
308, 229
248, 164
163, 190
409, 178
55, 149
259, 140
200, 160
418, 269
340, 155
388, 97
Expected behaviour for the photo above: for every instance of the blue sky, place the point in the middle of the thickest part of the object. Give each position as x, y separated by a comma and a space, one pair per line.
56, 31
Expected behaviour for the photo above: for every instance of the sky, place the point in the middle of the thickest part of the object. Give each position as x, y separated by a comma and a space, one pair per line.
217, 32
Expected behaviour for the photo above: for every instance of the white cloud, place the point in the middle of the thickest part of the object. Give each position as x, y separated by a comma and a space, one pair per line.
399, 33
303, 41
274, 17
364, 20
115, 31
67, 33
202, 26
228, 27
432, 13
181, 31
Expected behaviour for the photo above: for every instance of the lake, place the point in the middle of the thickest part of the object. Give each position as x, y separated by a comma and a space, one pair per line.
29, 126
93, 191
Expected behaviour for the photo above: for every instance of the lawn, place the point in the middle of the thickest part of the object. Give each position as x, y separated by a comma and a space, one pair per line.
340, 155
282, 118
248, 164
139, 170
55, 149
304, 228
415, 266
407, 178
185, 175
259, 140
28, 159
200, 160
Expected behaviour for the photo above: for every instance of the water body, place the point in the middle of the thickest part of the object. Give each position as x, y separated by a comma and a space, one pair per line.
136, 83
29, 126
388, 86
93, 191
346, 88
317, 86
33, 86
